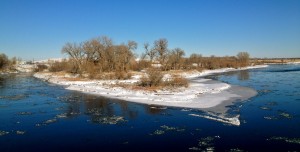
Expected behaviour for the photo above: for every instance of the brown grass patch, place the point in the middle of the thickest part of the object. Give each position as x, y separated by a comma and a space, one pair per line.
177, 81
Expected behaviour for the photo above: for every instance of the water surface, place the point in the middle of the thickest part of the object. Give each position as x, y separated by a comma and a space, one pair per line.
37, 116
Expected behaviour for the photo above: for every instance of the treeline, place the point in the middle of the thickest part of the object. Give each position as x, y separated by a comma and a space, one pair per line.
6, 63
99, 56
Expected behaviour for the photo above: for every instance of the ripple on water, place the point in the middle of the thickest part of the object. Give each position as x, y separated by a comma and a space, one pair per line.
15, 97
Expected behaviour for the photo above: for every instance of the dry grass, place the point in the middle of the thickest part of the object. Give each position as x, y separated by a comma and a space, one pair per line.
177, 81
40, 68
65, 65
154, 80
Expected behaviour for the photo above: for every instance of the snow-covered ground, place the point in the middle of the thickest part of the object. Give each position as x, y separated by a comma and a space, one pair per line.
25, 67
204, 94
210, 72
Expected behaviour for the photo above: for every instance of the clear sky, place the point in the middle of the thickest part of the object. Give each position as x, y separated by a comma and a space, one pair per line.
265, 28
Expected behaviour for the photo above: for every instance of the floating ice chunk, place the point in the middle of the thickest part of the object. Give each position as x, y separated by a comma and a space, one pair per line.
234, 120
2, 133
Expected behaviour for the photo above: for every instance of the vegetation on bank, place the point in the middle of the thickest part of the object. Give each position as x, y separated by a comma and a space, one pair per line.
100, 55
7, 64
101, 58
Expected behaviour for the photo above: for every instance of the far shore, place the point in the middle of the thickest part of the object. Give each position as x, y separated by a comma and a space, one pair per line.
203, 94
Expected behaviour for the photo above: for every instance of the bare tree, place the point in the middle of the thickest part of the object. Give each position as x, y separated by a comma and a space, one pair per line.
196, 59
91, 48
176, 57
243, 58
132, 45
76, 54
4, 61
107, 54
124, 54
161, 46
151, 53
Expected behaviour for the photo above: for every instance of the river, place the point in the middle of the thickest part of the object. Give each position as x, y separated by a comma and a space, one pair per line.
38, 116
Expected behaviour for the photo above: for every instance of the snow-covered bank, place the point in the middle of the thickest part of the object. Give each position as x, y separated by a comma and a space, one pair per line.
204, 94
191, 97
25, 67
210, 72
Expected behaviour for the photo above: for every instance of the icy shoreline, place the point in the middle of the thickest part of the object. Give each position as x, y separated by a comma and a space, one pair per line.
204, 94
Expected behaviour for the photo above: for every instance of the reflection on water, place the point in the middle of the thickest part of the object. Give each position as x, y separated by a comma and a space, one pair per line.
243, 75
154, 110
37, 116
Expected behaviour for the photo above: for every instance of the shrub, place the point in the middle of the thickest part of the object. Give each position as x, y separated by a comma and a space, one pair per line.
177, 81
122, 75
92, 70
3, 61
153, 78
140, 65
144, 81
56, 67
40, 67
64, 65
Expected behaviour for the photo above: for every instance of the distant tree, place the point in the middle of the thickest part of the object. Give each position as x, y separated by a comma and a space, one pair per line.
196, 59
105, 54
76, 54
176, 58
212, 62
161, 46
124, 54
132, 45
151, 53
14, 60
4, 61
243, 58
91, 48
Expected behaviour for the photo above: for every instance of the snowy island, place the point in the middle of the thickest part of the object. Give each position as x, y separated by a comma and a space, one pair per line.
207, 95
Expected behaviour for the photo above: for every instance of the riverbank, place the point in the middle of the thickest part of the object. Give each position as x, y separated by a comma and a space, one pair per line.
204, 94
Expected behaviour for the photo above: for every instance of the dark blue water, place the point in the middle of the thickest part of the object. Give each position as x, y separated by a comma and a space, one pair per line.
37, 116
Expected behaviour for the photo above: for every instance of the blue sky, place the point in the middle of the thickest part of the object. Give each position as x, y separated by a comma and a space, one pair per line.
265, 28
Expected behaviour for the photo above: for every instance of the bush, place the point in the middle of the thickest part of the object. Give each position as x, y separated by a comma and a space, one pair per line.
56, 67
140, 65
153, 78
92, 70
40, 67
177, 81
61, 66
121, 75
4, 61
